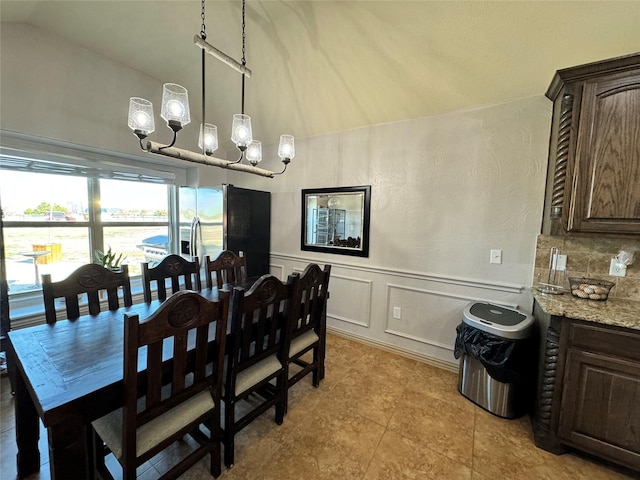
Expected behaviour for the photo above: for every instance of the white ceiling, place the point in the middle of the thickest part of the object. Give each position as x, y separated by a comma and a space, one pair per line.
326, 66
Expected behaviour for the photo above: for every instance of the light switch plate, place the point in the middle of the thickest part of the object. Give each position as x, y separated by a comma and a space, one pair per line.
496, 256
560, 262
397, 313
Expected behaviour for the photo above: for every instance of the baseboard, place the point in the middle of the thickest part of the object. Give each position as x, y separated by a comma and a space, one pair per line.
436, 362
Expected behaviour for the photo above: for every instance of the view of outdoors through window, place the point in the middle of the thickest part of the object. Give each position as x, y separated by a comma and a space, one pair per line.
49, 226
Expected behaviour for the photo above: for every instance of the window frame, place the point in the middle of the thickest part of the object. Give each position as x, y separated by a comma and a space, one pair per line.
62, 158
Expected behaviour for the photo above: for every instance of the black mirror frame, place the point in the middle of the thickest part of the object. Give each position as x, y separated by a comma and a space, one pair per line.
364, 251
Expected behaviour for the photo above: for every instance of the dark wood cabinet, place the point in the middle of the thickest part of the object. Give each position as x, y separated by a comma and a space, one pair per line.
589, 390
600, 407
593, 184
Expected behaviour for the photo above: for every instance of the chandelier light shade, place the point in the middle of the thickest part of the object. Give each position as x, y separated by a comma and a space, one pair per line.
241, 133
208, 140
254, 152
175, 111
141, 117
287, 148
175, 106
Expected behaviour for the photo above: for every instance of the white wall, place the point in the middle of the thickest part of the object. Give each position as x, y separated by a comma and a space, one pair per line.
446, 190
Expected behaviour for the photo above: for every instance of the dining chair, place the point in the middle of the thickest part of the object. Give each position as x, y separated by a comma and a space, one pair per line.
227, 267
256, 352
90, 279
173, 343
307, 329
184, 275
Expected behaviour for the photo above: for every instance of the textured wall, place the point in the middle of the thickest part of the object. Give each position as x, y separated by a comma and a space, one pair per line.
446, 190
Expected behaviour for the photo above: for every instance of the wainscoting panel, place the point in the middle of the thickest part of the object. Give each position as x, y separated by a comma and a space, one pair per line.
349, 300
427, 316
362, 298
277, 271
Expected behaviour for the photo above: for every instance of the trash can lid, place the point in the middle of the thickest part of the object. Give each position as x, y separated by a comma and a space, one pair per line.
497, 320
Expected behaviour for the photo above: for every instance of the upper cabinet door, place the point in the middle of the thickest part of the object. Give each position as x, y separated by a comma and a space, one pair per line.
605, 197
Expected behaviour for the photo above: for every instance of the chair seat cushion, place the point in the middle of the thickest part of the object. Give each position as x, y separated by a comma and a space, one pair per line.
256, 373
302, 342
150, 434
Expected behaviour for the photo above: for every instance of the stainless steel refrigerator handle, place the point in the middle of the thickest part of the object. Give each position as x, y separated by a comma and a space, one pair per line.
198, 237
193, 237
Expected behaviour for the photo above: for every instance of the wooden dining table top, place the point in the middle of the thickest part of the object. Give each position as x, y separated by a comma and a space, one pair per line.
76, 366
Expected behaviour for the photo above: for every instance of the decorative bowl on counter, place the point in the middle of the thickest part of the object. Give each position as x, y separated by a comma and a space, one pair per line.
590, 288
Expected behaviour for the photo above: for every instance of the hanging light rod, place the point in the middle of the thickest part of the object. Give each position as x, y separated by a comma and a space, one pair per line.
220, 55
189, 156
175, 110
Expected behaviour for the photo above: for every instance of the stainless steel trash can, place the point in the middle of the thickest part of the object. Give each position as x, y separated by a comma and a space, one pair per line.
502, 398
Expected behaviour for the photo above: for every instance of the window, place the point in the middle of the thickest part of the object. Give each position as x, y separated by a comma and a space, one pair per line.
53, 223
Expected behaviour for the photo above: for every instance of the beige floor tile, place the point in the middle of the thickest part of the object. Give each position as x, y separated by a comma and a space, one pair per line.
441, 425
373, 384
388, 365
399, 458
145, 471
334, 440
373, 396
344, 352
9, 450
375, 416
7, 418
435, 382
505, 449
478, 476
258, 440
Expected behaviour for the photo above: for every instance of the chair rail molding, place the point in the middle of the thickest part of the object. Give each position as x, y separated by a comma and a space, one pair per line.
459, 281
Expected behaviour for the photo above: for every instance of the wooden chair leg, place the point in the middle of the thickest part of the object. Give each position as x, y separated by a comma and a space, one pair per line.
287, 386
281, 389
229, 433
214, 459
97, 453
214, 447
316, 371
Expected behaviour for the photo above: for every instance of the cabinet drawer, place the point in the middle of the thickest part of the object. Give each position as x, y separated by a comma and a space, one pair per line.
608, 340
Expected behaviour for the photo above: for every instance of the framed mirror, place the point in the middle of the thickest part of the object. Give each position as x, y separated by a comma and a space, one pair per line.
336, 220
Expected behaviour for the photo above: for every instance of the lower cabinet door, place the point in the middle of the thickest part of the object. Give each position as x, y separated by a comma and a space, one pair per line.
600, 408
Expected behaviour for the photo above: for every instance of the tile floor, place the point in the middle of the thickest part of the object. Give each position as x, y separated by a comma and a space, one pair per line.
376, 416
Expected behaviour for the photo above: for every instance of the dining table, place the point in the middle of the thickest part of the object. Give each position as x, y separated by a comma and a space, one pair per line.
70, 373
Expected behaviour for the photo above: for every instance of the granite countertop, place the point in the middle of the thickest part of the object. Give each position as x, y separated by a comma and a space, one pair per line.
621, 313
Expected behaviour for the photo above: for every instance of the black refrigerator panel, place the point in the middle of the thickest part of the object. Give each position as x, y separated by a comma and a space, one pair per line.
248, 226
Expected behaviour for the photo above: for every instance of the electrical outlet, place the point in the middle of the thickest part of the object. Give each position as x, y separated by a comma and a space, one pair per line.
617, 269
496, 256
397, 313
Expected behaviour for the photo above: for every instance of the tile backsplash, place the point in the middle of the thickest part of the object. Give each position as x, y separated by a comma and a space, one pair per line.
591, 257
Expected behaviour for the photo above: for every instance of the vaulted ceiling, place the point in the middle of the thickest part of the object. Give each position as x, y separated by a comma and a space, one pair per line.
327, 66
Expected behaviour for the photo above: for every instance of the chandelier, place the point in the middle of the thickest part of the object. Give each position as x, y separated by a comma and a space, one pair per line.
175, 111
